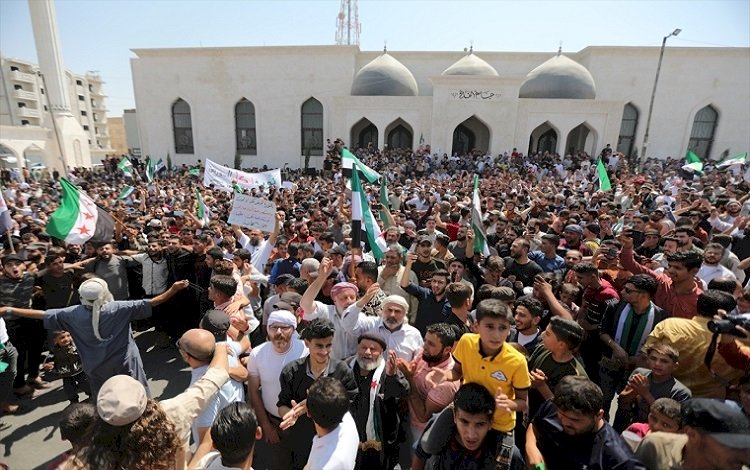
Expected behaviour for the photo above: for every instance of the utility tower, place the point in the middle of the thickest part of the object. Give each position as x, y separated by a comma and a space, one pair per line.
347, 24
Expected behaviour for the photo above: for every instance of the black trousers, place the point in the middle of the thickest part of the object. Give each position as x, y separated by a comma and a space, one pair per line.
28, 337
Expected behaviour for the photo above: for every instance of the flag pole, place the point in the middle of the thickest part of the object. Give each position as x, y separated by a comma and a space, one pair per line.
10, 241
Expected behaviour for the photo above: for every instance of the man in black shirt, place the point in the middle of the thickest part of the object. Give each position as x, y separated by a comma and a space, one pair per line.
433, 305
460, 298
569, 431
519, 269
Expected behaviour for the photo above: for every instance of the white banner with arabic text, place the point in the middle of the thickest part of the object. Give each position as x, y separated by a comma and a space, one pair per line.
223, 177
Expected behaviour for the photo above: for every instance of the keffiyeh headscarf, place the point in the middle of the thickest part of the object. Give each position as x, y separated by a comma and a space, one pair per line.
95, 293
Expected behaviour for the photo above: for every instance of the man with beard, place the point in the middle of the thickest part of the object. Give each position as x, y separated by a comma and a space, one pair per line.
154, 282
375, 408
389, 277
458, 247
365, 275
569, 431
296, 377
433, 304
527, 315
727, 219
519, 269
426, 398
113, 269
547, 257
424, 265
685, 235
264, 367
573, 235
711, 268
344, 295
401, 337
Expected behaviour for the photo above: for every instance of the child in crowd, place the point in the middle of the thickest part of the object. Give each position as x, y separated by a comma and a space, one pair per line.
569, 293
67, 365
645, 386
486, 358
664, 416
75, 422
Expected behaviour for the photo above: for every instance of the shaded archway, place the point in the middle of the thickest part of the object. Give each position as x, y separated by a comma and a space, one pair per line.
628, 127
581, 138
703, 132
469, 136
182, 127
312, 127
399, 135
363, 133
543, 139
244, 127
33, 155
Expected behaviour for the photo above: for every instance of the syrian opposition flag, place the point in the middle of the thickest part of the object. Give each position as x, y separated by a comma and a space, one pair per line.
126, 167
693, 162
150, 171
362, 219
604, 184
384, 202
480, 239
194, 171
78, 219
204, 214
731, 161
350, 161
159, 166
126, 191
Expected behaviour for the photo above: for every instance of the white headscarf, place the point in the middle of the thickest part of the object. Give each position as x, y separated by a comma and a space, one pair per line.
95, 293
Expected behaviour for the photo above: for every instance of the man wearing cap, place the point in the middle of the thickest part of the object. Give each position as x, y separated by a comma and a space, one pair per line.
716, 437
423, 263
344, 295
264, 366
375, 407
650, 246
100, 327
389, 276
573, 240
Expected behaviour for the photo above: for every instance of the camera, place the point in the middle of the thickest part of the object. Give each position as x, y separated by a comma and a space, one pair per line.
727, 325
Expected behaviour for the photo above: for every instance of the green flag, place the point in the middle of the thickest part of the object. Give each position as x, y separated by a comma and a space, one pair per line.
480, 239
204, 215
194, 171
731, 161
604, 184
384, 201
126, 191
150, 170
126, 167
691, 157
693, 162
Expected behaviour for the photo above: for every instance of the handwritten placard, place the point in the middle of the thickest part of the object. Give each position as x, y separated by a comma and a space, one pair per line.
253, 212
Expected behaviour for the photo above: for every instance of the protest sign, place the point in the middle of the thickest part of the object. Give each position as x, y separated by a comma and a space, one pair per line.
222, 177
253, 212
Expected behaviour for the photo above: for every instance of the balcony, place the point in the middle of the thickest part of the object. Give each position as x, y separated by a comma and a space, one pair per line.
23, 77
98, 106
25, 95
28, 112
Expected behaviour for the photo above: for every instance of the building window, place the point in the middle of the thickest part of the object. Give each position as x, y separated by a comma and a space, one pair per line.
182, 126
91, 88
704, 129
95, 117
24, 122
81, 98
45, 107
84, 113
244, 125
17, 87
85, 128
21, 105
41, 90
312, 127
629, 125
13, 68
79, 83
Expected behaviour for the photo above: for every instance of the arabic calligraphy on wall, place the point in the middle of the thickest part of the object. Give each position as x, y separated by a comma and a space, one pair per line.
474, 95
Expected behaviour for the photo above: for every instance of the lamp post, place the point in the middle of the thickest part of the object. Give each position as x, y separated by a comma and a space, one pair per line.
653, 93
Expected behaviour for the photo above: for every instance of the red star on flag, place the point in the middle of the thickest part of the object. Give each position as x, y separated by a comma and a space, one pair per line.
373, 384
88, 215
84, 230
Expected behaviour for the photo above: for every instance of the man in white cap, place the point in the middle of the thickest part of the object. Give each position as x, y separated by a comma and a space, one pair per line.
264, 366
100, 327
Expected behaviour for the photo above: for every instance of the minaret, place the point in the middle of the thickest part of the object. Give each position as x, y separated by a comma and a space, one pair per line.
72, 141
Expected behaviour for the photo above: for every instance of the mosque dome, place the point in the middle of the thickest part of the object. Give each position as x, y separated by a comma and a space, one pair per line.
471, 64
559, 78
384, 76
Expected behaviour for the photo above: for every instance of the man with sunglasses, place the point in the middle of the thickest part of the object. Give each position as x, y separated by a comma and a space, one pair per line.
623, 330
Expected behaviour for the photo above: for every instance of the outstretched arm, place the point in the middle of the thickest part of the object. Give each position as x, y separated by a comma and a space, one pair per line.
22, 312
169, 293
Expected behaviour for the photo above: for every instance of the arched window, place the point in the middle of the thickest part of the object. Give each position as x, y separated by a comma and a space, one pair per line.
244, 125
704, 129
463, 140
628, 126
182, 125
312, 127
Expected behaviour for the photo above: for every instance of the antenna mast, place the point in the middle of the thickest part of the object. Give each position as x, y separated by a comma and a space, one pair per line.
347, 24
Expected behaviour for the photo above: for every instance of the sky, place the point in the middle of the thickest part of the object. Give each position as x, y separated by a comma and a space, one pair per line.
97, 35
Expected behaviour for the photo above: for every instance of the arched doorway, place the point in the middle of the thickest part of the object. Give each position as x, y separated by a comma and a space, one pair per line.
543, 139
363, 133
469, 136
704, 129
399, 135
628, 126
581, 138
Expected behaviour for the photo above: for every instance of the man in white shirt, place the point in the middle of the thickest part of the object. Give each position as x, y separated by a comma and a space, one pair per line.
264, 366
232, 438
711, 267
336, 442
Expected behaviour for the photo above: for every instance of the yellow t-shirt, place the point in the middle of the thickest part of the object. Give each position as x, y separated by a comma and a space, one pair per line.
507, 371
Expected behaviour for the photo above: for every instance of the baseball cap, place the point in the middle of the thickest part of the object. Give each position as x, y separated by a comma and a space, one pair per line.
216, 322
723, 422
121, 400
424, 239
573, 229
283, 279
288, 301
12, 257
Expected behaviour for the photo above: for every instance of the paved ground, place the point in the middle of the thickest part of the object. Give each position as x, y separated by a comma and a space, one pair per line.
32, 440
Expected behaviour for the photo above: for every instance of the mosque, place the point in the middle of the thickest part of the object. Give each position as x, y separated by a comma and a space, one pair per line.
274, 105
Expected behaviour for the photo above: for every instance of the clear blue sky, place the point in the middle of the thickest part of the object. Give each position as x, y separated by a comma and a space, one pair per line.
98, 34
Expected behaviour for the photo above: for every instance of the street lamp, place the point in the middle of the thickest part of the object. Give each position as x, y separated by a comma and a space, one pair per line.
653, 93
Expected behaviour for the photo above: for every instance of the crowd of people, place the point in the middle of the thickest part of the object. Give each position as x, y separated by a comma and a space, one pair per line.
541, 323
